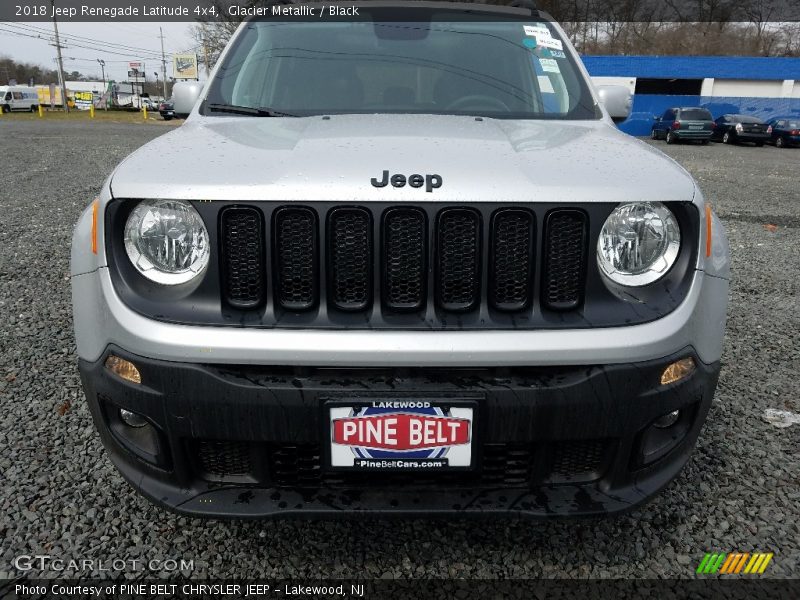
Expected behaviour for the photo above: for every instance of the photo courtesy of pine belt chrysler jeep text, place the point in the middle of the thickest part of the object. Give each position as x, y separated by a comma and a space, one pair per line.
400, 263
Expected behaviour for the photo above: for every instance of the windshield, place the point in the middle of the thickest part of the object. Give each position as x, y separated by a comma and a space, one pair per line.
503, 69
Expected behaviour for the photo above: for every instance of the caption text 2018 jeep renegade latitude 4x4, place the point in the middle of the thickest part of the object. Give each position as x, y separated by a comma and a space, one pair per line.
403, 262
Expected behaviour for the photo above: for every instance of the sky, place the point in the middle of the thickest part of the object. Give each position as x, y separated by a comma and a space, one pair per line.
115, 43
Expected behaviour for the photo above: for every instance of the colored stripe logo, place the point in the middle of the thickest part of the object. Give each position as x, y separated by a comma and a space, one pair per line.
734, 563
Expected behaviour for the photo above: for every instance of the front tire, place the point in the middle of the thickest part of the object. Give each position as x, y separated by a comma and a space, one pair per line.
779, 143
671, 138
727, 138
6, 108
653, 134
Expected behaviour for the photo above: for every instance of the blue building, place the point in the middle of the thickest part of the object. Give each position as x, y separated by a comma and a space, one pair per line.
764, 87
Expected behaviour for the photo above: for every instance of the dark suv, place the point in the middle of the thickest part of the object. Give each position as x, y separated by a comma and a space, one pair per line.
677, 124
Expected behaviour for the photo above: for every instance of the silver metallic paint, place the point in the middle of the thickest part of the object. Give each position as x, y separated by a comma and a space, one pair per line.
249, 159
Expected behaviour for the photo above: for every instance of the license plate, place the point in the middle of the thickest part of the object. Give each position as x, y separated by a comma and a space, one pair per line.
695, 126
410, 435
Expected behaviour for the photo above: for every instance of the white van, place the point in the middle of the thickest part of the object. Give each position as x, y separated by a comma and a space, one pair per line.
18, 97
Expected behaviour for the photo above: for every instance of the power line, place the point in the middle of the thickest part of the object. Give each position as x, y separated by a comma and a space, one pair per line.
97, 46
88, 40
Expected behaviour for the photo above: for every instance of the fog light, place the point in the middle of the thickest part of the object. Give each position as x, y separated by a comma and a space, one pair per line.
678, 370
131, 418
123, 368
667, 420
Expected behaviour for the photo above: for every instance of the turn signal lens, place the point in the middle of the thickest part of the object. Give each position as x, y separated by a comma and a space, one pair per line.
123, 368
678, 370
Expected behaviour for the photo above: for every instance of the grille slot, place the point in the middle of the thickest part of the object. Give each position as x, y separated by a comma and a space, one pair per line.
296, 466
297, 261
458, 259
565, 259
300, 466
405, 243
220, 460
578, 460
242, 239
511, 270
350, 258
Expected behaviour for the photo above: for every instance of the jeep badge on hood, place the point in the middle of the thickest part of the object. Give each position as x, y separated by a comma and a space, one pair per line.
431, 182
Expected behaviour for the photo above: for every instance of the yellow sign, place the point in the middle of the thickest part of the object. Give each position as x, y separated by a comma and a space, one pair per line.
184, 66
83, 100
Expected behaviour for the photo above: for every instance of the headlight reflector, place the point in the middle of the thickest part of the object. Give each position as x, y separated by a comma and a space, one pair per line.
167, 241
638, 244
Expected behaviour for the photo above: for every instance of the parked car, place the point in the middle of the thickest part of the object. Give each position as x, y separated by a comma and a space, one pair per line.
149, 104
683, 124
167, 110
785, 132
736, 129
396, 280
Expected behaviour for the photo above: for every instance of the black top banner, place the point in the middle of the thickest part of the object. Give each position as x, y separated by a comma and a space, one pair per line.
746, 11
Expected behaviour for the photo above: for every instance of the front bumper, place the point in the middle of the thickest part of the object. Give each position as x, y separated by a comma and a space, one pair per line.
248, 441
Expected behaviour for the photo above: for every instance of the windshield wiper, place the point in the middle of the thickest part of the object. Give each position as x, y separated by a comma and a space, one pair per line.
248, 110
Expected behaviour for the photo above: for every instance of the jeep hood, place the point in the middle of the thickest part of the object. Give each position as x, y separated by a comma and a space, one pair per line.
334, 158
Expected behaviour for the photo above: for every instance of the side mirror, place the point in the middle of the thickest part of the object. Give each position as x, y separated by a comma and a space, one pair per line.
617, 101
185, 94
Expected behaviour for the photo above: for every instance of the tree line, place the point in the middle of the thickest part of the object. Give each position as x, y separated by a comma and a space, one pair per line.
24, 73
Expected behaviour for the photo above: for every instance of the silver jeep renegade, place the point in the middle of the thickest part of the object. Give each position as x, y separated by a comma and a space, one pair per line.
402, 261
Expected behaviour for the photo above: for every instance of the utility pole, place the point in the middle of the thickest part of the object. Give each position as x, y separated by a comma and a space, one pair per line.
103, 69
105, 85
163, 63
60, 61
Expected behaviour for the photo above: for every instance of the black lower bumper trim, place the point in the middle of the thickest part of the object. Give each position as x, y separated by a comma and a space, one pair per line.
245, 441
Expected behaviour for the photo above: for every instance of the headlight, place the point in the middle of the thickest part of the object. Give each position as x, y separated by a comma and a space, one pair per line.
638, 244
167, 241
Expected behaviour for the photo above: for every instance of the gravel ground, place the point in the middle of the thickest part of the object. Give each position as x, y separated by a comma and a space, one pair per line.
60, 495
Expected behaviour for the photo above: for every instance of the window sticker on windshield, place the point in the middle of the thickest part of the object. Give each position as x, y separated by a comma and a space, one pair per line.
545, 85
557, 54
529, 42
549, 65
549, 42
537, 29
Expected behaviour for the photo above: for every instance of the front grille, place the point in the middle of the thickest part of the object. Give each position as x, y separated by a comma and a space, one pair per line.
296, 258
301, 466
243, 269
565, 259
350, 239
343, 239
404, 264
219, 460
511, 271
459, 259
507, 465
